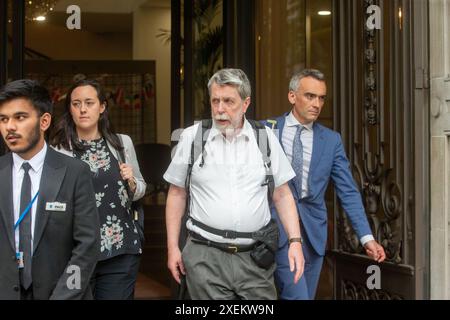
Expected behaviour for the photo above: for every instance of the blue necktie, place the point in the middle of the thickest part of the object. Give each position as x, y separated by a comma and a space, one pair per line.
297, 160
25, 228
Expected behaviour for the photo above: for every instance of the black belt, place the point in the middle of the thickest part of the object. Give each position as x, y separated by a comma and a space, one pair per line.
227, 247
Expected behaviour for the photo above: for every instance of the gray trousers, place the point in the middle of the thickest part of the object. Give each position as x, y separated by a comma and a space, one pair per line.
212, 274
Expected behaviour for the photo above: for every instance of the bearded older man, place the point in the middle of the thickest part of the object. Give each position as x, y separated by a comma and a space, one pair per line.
228, 201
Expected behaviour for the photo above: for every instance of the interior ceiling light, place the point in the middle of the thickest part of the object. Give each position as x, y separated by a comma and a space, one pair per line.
35, 9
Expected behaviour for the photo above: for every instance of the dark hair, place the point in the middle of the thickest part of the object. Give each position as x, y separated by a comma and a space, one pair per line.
65, 133
30, 90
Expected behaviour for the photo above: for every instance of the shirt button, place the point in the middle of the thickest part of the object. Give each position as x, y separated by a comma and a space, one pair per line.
16, 288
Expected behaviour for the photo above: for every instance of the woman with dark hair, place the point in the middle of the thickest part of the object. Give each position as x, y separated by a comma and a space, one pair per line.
84, 132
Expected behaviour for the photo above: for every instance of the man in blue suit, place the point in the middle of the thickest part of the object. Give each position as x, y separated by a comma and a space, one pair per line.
316, 154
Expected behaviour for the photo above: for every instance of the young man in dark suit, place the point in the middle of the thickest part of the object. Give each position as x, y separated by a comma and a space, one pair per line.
49, 226
317, 155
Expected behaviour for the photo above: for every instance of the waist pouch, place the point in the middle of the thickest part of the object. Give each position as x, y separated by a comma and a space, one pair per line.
263, 254
266, 241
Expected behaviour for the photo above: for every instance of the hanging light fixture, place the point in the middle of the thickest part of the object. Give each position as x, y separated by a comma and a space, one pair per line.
37, 10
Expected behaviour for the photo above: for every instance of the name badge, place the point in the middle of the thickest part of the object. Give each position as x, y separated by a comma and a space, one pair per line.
55, 206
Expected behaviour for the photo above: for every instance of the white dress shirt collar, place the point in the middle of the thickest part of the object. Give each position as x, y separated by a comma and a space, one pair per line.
36, 162
291, 121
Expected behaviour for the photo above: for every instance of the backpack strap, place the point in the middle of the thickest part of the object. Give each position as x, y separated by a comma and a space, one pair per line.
272, 123
206, 125
121, 152
122, 159
262, 139
197, 149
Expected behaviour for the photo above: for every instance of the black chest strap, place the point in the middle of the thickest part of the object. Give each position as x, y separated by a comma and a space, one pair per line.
227, 234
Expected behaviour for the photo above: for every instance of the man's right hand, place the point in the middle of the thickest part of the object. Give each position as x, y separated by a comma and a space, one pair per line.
175, 264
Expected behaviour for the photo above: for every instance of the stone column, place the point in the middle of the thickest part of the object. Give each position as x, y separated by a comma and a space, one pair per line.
440, 148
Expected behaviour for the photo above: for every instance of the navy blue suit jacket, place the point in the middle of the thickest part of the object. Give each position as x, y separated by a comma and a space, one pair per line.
328, 161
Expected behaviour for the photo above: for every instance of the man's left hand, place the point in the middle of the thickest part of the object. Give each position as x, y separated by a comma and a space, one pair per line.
296, 260
375, 251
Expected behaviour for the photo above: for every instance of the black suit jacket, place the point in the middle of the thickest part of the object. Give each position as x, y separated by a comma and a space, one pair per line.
64, 242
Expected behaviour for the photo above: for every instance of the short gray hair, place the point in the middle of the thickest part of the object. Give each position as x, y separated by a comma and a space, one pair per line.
313, 73
232, 77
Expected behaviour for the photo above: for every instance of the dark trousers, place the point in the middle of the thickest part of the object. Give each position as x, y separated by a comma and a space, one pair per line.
115, 278
306, 287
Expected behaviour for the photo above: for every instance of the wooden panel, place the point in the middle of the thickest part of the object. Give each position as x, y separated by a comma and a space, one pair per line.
396, 281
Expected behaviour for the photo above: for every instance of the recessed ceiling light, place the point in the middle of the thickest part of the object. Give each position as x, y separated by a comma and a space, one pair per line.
324, 13
40, 18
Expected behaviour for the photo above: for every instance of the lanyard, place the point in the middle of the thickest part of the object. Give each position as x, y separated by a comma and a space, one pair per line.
24, 213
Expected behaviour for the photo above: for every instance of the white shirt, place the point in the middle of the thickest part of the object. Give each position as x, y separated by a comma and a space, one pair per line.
307, 136
226, 193
37, 164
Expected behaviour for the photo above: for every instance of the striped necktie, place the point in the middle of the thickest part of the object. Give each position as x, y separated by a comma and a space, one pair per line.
297, 160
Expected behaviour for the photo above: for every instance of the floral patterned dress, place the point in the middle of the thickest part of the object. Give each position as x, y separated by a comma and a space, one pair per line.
117, 229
